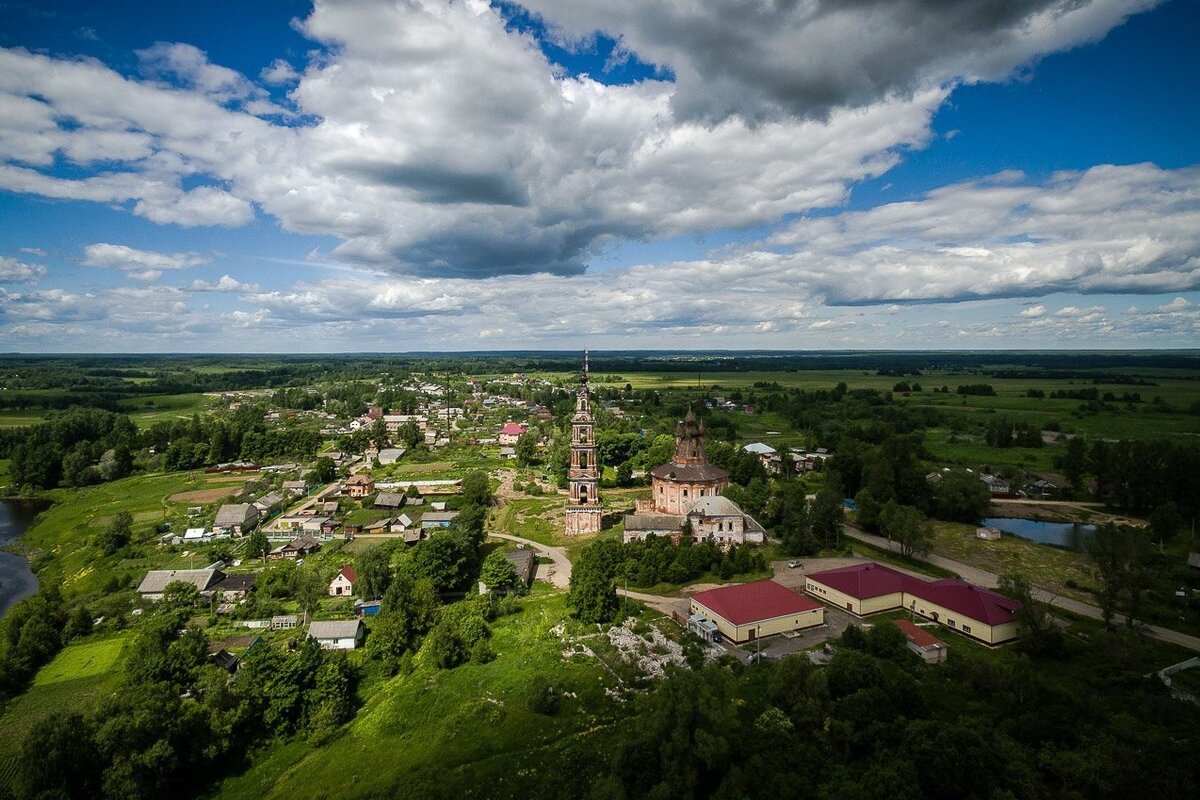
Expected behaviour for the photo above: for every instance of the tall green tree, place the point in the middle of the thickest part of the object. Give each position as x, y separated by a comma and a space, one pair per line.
593, 591
908, 527
1121, 555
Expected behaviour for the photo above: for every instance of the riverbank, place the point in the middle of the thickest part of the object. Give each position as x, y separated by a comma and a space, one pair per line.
17, 580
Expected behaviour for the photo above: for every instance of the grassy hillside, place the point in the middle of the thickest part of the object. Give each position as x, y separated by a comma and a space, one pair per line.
463, 732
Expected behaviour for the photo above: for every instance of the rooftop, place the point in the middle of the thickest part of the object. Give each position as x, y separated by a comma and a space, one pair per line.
750, 602
334, 629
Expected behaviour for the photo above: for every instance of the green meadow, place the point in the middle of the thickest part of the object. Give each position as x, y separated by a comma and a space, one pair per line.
72, 680
452, 733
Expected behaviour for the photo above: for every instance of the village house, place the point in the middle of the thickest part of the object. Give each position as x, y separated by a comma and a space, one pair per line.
995, 484
156, 580
390, 455
296, 548
360, 485
337, 634
749, 611
295, 488
342, 584
236, 518
869, 588
438, 519
389, 500
510, 433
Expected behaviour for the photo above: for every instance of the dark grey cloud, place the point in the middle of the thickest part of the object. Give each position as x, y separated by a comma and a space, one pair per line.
768, 60
432, 182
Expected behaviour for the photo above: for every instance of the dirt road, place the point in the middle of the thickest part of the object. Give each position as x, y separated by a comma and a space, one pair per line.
559, 572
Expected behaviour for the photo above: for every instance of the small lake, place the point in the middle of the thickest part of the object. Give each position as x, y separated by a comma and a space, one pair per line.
1062, 534
17, 580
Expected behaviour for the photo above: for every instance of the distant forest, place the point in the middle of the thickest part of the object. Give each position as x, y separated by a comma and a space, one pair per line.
103, 381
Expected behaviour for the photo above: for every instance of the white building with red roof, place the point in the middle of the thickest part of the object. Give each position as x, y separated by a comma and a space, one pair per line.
749, 611
342, 584
931, 649
511, 432
870, 588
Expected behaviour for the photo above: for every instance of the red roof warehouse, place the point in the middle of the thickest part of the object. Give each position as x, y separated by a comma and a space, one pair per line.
870, 588
750, 610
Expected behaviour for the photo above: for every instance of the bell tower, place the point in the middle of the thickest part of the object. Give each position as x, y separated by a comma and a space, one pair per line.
583, 511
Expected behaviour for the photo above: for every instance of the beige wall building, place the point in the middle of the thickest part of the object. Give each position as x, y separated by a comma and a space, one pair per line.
870, 588
749, 611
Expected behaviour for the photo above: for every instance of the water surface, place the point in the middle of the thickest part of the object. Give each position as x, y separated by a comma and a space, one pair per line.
17, 580
1062, 534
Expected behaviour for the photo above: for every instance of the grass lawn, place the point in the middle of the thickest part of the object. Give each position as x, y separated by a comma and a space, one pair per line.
463, 732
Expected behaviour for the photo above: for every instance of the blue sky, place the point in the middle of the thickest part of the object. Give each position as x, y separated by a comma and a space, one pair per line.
362, 175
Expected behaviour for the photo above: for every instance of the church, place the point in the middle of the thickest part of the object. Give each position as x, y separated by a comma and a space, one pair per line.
584, 513
686, 492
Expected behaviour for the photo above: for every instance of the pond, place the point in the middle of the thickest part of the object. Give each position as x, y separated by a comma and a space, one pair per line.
1060, 534
17, 580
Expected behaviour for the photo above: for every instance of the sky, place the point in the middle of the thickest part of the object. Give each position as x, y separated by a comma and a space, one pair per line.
360, 175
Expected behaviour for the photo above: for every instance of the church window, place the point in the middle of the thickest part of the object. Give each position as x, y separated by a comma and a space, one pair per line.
685, 492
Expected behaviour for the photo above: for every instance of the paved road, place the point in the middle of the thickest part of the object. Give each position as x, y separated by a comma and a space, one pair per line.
559, 573
991, 580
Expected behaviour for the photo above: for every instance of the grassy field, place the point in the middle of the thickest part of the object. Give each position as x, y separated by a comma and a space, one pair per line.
77, 674
467, 731
17, 419
60, 539
1045, 566
145, 411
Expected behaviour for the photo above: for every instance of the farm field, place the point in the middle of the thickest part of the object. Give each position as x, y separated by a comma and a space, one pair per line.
149, 409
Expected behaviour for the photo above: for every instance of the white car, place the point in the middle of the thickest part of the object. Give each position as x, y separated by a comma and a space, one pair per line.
794, 564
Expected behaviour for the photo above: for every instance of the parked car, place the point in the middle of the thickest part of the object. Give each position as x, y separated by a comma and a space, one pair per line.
794, 564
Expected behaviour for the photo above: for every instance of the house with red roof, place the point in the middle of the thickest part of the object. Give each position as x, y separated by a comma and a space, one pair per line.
749, 611
870, 588
342, 584
511, 432
931, 649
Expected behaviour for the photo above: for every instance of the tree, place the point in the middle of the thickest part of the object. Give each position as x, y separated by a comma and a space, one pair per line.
257, 545
409, 435
1165, 522
1038, 634
324, 470
308, 589
961, 497
476, 490
593, 592
624, 474
826, 516
180, 594
526, 448
374, 568
446, 560
908, 527
498, 573
117, 534
1121, 556
58, 759
1074, 461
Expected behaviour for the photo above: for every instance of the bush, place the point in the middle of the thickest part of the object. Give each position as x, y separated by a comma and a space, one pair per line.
543, 698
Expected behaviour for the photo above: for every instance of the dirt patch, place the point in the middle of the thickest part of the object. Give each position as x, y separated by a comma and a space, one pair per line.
239, 478
205, 495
